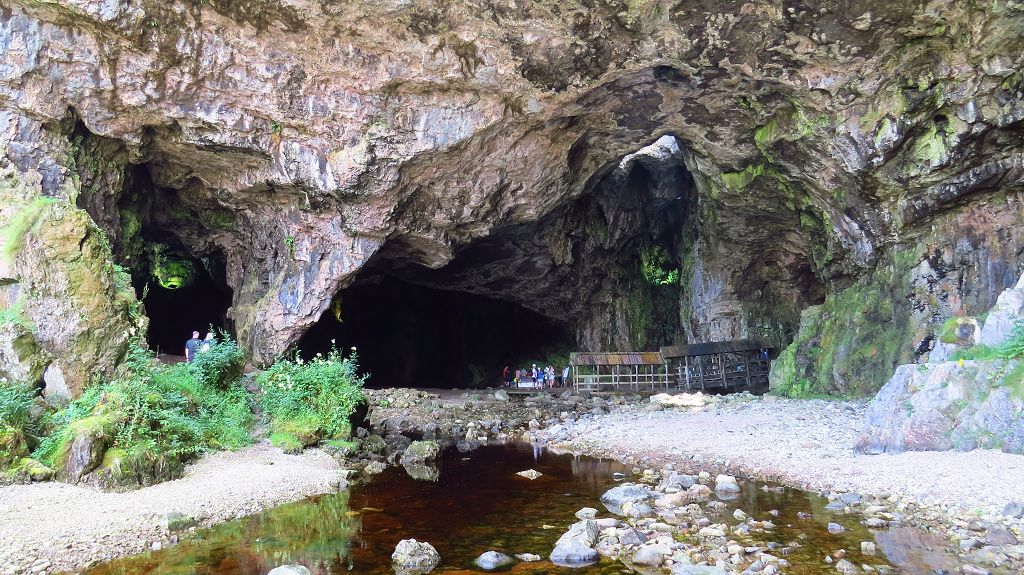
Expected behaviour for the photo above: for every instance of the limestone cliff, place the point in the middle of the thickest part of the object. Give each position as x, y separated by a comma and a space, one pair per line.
864, 157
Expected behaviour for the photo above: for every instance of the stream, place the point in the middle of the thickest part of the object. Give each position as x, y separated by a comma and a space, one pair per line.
478, 504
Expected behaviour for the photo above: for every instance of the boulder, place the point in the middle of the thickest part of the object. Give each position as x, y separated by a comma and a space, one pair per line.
726, 484
953, 405
491, 560
575, 548
290, 570
413, 557
679, 481
422, 472
651, 555
632, 537
88, 445
420, 452
501, 395
616, 497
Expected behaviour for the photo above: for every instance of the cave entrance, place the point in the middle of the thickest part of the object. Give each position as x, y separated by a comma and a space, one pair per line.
175, 310
409, 335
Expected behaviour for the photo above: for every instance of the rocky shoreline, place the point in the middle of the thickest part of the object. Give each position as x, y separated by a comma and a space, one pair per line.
966, 498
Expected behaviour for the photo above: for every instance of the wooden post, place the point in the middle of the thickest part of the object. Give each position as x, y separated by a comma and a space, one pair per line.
721, 365
747, 364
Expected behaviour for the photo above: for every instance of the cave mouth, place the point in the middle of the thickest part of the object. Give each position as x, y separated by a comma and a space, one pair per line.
199, 303
409, 335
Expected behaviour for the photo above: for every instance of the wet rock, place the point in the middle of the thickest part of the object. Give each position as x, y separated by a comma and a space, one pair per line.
677, 481
586, 513
491, 560
835, 528
651, 555
290, 570
615, 498
420, 452
575, 547
413, 557
632, 537
867, 547
529, 473
1004, 315
726, 484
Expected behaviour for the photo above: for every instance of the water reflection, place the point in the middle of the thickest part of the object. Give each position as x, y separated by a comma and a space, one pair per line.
474, 503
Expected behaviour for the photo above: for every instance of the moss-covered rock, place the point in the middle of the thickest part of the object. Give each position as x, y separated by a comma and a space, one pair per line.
286, 442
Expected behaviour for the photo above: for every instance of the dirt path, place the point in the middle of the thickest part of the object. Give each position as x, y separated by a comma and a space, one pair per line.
50, 527
804, 443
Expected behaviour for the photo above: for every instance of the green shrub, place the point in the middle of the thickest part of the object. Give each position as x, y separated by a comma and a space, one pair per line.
155, 416
219, 365
312, 400
19, 428
1012, 348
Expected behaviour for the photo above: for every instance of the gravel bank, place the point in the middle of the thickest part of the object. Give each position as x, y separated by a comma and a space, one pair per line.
803, 443
52, 527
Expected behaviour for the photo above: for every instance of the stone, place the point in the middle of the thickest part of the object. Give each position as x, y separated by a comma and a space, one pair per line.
1014, 509
681, 569
87, 448
501, 395
491, 560
739, 515
632, 536
575, 547
586, 513
1000, 536
412, 557
726, 484
528, 557
652, 555
529, 473
177, 521
290, 570
846, 567
55, 389
835, 528
615, 498
420, 452
677, 481
867, 547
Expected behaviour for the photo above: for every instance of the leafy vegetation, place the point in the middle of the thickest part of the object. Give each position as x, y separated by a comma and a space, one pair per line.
19, 426
310, 401
20, 223
1011, 376
656, 267
153, 417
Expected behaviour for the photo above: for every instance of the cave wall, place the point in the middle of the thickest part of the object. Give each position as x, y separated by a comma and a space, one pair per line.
825, 141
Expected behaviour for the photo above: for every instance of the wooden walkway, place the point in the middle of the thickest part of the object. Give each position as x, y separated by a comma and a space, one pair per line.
726, 366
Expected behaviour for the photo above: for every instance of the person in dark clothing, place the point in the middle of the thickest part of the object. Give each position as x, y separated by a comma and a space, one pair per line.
192, 346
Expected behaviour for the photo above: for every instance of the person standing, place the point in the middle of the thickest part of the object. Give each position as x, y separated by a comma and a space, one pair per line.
565, 376
192, 346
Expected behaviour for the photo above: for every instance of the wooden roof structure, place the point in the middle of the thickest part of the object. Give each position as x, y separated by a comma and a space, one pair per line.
617, 358
676, 351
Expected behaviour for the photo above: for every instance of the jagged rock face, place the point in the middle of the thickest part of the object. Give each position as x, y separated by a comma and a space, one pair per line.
299, 140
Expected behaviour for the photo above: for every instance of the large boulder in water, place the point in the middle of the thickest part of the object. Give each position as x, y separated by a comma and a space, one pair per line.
491, 560
575, 548
413, 557
615, 498
420, 452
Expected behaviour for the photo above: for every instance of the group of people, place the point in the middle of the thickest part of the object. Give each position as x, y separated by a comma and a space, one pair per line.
539, 376
196, 345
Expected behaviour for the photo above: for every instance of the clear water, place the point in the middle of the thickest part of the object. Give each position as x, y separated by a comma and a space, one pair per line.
479, 504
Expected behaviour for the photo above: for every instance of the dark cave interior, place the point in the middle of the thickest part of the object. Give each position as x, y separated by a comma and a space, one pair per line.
174, 314
410, 335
